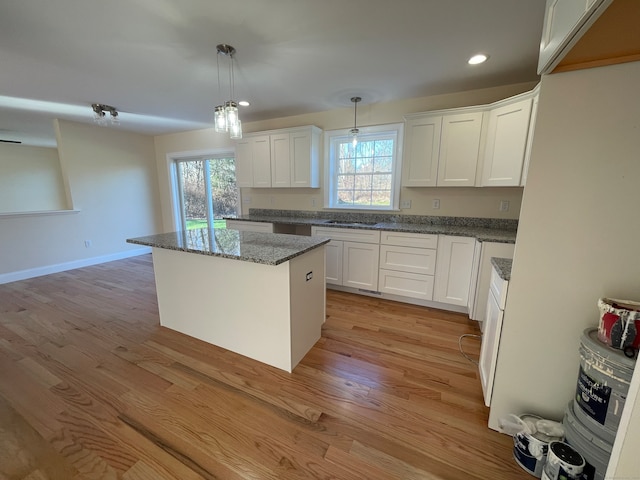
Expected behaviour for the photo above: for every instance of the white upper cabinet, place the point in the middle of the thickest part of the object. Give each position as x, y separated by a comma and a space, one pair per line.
459, 149
442, 149
506, 142
421, 150
527, 151
279, 158
564, 23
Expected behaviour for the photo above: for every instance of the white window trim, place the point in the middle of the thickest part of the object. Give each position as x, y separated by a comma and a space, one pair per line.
329, 135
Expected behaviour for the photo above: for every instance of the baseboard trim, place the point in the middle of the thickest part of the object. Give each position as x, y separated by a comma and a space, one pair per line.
61, 267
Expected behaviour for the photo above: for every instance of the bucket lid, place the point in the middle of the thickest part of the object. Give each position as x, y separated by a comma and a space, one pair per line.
610, 355
566, 453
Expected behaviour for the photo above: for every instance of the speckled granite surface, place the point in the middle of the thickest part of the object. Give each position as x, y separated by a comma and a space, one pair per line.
265, 248
483, 229
503, 267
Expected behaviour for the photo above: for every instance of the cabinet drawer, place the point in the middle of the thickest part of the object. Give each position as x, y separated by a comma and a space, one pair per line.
403, 239
499, 288
406, 284
347, 234
408, 259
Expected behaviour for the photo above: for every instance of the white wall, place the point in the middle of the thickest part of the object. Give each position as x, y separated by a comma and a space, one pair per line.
111, 179
480, 202
578, 238
30, 179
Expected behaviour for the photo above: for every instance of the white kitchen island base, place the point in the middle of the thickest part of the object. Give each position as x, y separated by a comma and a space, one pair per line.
270, 313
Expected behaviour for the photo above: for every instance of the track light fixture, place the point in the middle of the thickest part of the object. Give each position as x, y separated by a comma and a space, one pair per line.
100, 110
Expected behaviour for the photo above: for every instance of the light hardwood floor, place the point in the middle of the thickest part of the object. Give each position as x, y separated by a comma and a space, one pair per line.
91, 387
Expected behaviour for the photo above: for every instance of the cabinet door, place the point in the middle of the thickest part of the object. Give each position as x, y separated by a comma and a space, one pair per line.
404, 284
459, 150
527, 151
564, 23
454, 265
261, 161
488, 250
280, 161
506, 144
421, 151
360, 265
244, 163
489, 347
408, 259
304, 159
333, 262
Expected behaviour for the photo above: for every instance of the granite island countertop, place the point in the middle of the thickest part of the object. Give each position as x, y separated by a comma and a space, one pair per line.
264, 248
482, 229
503, 267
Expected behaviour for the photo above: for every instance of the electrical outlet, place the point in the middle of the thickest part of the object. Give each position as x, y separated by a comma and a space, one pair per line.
504, 205
435, 204
313, 201
246, 200
405, 204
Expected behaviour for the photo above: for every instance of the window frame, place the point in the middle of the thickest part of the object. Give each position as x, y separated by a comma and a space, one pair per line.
332, 138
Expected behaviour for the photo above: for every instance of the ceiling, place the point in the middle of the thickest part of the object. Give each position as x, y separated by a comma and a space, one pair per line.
155, 60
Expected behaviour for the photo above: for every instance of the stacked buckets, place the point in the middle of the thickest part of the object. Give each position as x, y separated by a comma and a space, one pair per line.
591, 419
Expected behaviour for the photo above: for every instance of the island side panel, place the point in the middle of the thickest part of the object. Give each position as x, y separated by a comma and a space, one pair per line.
240, 306
308, 301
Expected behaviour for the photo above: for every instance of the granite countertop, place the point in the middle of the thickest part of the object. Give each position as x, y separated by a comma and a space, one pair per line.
264, 248
483, 229
503, 267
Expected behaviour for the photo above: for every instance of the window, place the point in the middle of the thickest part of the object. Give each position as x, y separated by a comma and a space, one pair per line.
207, 191
366, 176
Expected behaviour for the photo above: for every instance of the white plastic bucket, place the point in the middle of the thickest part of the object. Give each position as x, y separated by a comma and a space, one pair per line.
603, 383
563, 463
530, 450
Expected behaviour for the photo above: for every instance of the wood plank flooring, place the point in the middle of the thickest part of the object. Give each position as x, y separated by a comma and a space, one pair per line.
91, 387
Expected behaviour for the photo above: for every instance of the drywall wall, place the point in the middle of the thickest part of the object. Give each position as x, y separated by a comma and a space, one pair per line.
30, 179
480, 202
577, 238
112, 183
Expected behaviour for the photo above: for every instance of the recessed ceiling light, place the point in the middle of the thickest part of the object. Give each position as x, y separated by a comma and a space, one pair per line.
243, 103
479, 58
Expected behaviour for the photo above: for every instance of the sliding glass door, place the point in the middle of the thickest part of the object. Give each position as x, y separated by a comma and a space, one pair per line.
207, 191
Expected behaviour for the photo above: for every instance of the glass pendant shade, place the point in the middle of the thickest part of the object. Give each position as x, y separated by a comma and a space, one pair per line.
220, 119
231, 112
354, 136
235, 131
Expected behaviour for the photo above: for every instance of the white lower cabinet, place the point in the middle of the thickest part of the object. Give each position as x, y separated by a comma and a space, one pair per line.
351, 257
488, 250
407, 264
454, 268
491, 335
360, 265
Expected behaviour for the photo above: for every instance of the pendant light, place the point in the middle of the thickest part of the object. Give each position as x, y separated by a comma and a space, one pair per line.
226, 117
355, 130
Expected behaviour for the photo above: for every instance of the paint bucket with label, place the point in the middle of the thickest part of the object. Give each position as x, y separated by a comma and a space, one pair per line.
563, 463
619, 325
595, 450
603, 383
530, 449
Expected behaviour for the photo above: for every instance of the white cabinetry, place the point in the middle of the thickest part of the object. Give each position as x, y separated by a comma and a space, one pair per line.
351, 256
407, 264
506, 142
532, 129
491, 335
488, 250
245, 226
279, 158
454, 269
459, 149
442, 149
564, 23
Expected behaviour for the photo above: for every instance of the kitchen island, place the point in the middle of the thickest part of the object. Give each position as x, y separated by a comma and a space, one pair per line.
261, 295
